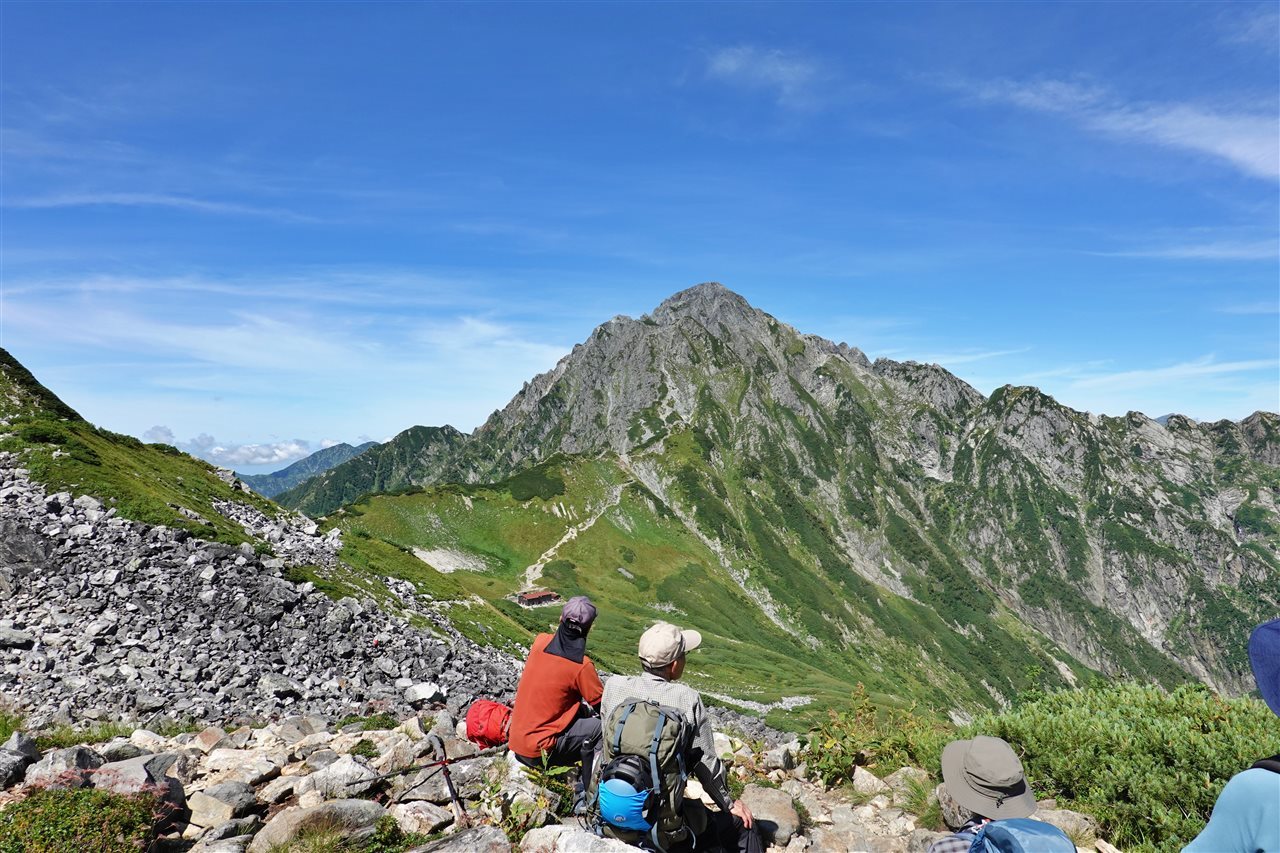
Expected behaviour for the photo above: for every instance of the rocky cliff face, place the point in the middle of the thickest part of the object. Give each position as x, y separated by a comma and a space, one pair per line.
825, 482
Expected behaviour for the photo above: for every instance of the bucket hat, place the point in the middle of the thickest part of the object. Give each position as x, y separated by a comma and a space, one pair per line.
985, 776
1264, 657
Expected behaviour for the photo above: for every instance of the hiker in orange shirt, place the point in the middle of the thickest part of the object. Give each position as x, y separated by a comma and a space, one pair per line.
556, 716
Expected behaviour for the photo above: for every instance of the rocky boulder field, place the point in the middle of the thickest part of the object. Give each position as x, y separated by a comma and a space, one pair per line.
275, 788
102, 618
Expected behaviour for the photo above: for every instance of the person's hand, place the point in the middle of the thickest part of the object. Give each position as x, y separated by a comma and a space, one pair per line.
740, 809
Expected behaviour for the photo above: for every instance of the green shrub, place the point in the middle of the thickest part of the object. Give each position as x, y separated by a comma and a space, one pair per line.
370, 723
1148, 764
10, 722
365, 749
55, 821
881, 739
61, 737
43, 432
541, 481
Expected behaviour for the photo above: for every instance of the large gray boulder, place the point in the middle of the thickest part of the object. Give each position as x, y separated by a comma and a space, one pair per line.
64, 768
144, 772
904, 780
354, 820
345, 777
421, 817
954, 815
221, 804
11, 639
774, 813
468, 778
239, 844
1082, 828
238, 795
12, 768
23, 744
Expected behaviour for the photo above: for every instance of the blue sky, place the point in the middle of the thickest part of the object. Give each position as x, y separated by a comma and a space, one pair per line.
257, 228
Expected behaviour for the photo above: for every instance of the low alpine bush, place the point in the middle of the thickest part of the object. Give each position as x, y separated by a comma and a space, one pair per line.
1148, 764
880, 739
54, 821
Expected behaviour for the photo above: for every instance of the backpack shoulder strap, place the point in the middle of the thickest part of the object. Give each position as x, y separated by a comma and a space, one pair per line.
1272, 764
628, 707
655, 792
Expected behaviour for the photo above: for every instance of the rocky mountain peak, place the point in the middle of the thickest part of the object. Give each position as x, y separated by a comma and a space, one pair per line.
710, 303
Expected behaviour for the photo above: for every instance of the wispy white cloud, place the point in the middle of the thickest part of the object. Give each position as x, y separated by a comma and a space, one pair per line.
1247, 139
1258, 26
212, 358
790, 77
1203, 388
1199, 369
1227, 250
368, 287
968, 356
1251, 308
473, 339
176, 202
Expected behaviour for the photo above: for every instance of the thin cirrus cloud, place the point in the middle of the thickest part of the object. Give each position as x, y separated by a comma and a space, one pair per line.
1226, 250
1260, 27
1198, 369
789, 77
1248, 139
1251, 308
968, 357
167, 200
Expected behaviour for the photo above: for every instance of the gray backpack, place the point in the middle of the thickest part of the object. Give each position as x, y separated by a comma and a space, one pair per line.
637, 786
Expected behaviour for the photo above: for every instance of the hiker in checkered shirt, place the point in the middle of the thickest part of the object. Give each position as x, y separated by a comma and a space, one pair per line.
663, 654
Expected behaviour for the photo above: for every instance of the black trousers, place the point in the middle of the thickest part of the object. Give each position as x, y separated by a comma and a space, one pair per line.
725, 832
578, 743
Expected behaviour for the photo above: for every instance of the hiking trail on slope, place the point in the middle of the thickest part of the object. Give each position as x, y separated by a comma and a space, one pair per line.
534, 572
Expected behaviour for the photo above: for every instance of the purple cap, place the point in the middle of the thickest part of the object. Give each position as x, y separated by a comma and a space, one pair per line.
579, 609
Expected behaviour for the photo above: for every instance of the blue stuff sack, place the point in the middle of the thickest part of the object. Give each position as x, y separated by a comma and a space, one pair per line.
1021, 835
621, 805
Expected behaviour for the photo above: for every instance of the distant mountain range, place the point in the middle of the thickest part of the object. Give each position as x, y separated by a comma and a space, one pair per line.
886, 519
270, 485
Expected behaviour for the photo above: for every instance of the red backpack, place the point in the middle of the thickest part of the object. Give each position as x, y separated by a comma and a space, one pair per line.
487, 723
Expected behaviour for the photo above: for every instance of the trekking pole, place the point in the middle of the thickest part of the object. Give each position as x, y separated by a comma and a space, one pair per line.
459, 810
494, 750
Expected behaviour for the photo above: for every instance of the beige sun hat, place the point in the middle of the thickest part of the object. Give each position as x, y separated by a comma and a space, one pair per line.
664, 642
985, 776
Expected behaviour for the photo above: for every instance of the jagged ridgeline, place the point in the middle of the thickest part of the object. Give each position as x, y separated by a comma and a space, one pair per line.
829, 520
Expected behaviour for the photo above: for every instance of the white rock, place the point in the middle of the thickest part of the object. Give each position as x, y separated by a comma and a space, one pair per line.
421, 817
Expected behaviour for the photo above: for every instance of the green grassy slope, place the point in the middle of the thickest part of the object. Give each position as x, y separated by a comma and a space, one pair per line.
641, 563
